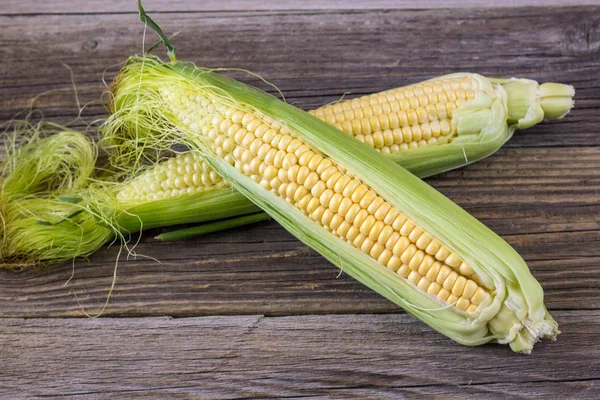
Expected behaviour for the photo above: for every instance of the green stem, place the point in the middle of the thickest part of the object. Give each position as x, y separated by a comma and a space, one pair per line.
154, 26
213, 227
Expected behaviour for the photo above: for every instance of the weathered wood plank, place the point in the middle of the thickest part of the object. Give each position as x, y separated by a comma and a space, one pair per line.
14, 7
331, 55
337, 356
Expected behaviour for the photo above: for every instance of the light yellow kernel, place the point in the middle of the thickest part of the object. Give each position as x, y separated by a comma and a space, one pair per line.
403, 270
344, 206
326, 197
462, 304
288, 161
423, 283
413, 277
450, 280
367, 199
416, 260
423, 241
426, 264
406, 228
332, 180
414, 234
358, 194
374, 205
382, 210
290, 190
391, 242
400, 246
384, 257
353, 212
391, 217
433, 271
394, 263
479, 296
327, 217
442, 253
327, 173
434, 288
270, 172
353, 232
465, 269
342, 230
302, 174
399, 222
376, 249
300, 192
443, 294
453, 260
361, 215
443, 274
335, 222
432, 247
452, 299
469, 289
375, 230
318, 188
408, 253
317, 214
459, 286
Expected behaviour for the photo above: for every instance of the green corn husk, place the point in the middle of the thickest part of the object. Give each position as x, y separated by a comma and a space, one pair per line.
516, 315
55, 206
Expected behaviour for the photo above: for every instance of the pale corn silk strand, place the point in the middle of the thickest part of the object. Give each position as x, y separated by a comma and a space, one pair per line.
158, 77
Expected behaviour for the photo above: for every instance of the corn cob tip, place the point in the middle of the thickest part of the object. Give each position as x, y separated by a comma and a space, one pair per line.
531, 333
556, 99
529, 103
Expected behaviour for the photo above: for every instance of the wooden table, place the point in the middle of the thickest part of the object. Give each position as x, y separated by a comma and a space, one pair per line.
253, 313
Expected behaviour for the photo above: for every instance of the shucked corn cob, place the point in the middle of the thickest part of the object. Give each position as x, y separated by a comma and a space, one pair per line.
364, 213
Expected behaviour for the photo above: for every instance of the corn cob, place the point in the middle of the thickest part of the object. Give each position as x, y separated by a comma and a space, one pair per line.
398, 123
429, 127
364, 213
184, 189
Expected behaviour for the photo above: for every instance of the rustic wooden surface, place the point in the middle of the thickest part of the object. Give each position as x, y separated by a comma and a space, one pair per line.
262, 315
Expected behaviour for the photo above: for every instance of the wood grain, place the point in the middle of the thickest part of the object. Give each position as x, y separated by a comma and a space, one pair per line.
331, 356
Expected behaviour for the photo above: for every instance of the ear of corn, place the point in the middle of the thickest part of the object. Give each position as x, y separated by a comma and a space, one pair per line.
364, 213
429, 127
422, 126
